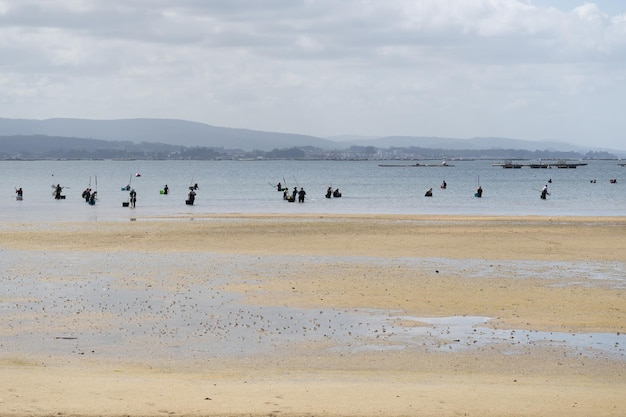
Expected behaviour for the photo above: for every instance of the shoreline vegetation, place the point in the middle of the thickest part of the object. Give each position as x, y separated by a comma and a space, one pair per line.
40, 147
528, 274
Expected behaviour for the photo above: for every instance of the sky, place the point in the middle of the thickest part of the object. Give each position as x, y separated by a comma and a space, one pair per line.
523, 69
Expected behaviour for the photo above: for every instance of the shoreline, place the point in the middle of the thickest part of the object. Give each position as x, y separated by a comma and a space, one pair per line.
315, 314
458, 237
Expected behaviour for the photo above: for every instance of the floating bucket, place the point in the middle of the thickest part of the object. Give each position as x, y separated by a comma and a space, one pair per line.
125, 204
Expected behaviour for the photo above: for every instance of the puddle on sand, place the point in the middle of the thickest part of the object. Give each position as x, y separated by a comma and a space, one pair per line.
141, 306
464, 333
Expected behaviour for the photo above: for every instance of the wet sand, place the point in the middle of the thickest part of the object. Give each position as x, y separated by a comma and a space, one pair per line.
314, 315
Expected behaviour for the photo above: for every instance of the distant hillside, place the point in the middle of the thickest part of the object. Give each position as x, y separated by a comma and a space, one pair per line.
193, 134
175, 132
41, 146
44, 144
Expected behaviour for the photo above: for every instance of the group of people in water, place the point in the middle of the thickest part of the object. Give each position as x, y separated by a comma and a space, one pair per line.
479, 191
444, 185
191, 194
291, 197
295, 194
90, 196
300, 194
330, 193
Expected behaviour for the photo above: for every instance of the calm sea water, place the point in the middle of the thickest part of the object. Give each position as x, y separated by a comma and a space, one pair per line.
247, 187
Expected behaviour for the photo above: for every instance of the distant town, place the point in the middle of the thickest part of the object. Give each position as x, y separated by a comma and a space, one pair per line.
48, 149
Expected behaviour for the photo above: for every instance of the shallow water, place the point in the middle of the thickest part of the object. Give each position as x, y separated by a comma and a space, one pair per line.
175, 307
246, 187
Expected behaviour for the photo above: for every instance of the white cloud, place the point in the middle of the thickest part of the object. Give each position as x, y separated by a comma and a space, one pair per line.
430, 67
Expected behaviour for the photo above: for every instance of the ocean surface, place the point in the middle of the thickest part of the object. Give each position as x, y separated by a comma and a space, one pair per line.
249, 187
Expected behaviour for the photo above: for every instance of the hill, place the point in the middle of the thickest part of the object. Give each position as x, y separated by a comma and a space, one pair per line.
168, 131
164, 135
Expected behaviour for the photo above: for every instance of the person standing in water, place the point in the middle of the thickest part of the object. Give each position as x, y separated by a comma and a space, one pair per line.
133, 197
479, 191
544, 192
191, 196
57, 192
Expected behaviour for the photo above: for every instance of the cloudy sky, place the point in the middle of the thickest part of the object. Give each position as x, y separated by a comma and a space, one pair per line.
525, 69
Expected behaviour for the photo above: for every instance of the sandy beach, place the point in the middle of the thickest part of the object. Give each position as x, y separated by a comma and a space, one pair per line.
321, 315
